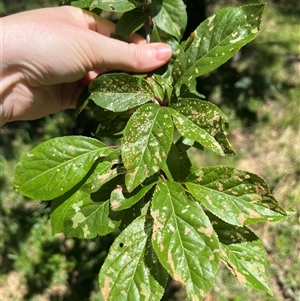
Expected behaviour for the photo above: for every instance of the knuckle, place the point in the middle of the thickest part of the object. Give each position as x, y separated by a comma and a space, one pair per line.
136, 56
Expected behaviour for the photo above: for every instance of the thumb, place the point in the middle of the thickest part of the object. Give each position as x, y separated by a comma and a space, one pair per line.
118, 55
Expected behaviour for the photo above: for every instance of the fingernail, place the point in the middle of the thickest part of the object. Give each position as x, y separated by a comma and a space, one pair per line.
163, 52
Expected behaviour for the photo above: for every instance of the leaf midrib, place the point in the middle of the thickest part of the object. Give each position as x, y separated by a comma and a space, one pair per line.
204, 56
63, 165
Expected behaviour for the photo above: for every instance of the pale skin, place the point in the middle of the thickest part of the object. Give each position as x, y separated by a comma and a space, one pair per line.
49, 55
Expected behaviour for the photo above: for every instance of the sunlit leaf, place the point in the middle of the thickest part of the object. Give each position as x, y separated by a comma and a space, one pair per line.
86, 219
146, 142
216, 40
170, 16
115, 5
189, 129
55, 166
184, 239
121, 202
208, 117
235, 196
247, 262
119, 92
60, 205
124, 275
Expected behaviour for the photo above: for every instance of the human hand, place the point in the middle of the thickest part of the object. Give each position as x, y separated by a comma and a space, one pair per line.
49, 55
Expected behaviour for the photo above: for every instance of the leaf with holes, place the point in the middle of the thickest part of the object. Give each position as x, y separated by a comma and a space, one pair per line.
146, 142
184, 239
216, 40
208, 117
120, 92
55, 166
235, 196
170, 16
189, 129
124, 275
247, 262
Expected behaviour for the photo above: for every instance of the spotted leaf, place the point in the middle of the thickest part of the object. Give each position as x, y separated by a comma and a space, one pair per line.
124, 275
85, 219
247, 262
235, 196
120, 200
215, 41
184, 239
190, 130
60, 205
230, 234
146, 142
208, 117
170, 16
120, 92
112, 5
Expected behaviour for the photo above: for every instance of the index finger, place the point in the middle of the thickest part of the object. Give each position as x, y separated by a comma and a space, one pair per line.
106, 27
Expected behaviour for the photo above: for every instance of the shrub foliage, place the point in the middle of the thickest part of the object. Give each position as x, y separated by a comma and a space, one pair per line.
134, 175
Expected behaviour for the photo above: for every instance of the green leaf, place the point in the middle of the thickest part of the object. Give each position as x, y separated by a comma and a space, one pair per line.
82, 102
153, 264
112, 128
216, 40
124, 275
130, 22
170, 16
235, 196
230, 234
99, 176
178, 162
247, 262
79, 3
189, 129
115, 5
55, 166
146, 142
119, 92
189, 91
161, 88
60, 205
86, 219
120, 202
184, 239
158, 35
208, 117
79, 216
102, 115
59, 208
